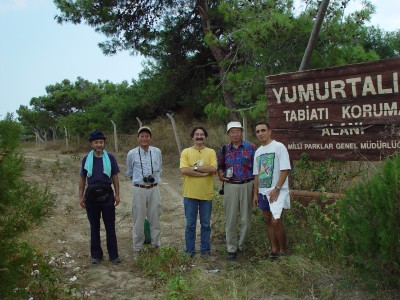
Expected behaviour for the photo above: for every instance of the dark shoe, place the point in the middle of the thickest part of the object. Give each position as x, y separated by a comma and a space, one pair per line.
284, 254
273, 255
154, 248
95, 261
231, 255
115, 261
190, 254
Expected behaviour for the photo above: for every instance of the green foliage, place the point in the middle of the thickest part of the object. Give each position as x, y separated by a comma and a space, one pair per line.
178, 288
370, 216
325, 176
169, 266
314, 231
29, 275
10, 160
21, 205
163, 263
205, 57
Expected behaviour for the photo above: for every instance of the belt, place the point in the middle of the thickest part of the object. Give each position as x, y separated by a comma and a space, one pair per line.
241, 181
146, 186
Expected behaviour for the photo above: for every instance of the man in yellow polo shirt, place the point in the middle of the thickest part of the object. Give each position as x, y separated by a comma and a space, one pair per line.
198, 164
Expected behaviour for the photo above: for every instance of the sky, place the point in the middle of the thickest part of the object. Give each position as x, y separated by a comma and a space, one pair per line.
36, 51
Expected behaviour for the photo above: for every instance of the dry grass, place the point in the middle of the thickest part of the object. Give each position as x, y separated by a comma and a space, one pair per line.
293, 277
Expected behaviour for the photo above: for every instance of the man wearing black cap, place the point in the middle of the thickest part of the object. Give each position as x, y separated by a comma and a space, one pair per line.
143, 167
100, 171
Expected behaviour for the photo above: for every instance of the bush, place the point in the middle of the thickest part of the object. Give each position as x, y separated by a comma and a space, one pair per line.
21, 205
370, 216
313, 231
325, 176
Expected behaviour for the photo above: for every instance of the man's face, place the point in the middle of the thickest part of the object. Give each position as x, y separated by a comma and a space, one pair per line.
144, 139
97, 145
235, 135
263, 133
199, 137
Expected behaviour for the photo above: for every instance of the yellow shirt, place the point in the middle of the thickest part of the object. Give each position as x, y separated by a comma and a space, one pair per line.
200, 188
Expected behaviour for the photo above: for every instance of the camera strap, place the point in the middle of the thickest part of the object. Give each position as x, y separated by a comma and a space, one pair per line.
141, 165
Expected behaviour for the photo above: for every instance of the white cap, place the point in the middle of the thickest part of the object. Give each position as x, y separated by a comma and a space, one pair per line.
144, 128
233, 125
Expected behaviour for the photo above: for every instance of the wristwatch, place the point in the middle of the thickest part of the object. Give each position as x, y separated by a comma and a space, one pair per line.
195, 168
278, 188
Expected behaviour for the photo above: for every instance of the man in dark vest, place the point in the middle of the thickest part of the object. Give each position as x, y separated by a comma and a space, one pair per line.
100, 171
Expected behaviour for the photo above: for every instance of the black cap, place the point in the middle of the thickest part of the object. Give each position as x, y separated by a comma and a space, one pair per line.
96, 135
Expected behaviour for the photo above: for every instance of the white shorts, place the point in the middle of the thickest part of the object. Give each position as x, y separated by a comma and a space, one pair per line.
283, 202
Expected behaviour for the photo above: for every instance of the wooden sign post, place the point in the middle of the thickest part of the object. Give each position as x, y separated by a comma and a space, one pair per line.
347, 113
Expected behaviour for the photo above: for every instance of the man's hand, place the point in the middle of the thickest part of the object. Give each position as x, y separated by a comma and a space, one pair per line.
116, 200
221, 176
255, 200
273, 195
82, 202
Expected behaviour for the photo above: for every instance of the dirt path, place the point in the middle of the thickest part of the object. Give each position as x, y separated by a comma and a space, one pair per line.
66, 233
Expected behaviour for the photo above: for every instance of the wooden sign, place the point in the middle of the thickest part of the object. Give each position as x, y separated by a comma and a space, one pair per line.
347, 113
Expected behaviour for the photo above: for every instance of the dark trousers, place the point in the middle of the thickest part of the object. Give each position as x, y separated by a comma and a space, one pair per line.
94, 213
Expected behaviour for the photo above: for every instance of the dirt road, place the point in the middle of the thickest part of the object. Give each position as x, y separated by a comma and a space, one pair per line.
65, 234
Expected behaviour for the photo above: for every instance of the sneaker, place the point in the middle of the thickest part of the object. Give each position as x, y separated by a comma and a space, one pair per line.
231, 255
95, 261
190, 254
115, 261
273, 255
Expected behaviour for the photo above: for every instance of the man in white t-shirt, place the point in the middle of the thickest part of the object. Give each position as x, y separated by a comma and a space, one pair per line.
271, 169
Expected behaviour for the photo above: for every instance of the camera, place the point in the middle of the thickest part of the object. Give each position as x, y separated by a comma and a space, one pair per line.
221, 191
148, 178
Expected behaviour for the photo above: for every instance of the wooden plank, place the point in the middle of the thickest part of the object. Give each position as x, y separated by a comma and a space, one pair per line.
322, 199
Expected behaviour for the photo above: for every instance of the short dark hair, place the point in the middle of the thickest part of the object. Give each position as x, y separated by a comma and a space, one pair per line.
199, 127
263, 123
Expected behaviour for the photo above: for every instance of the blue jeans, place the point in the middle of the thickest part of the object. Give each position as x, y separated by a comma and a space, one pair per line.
204, 207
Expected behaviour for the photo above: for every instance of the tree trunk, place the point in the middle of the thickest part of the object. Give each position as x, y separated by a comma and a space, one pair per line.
314, 34
66, 136
219, 54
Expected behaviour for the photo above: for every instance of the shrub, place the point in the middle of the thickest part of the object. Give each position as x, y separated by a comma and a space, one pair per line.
370, 215
325, 176
314, 231
21, 205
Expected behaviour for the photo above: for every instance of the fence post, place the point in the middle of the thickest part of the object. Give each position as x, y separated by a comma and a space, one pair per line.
178, 143
115, 136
